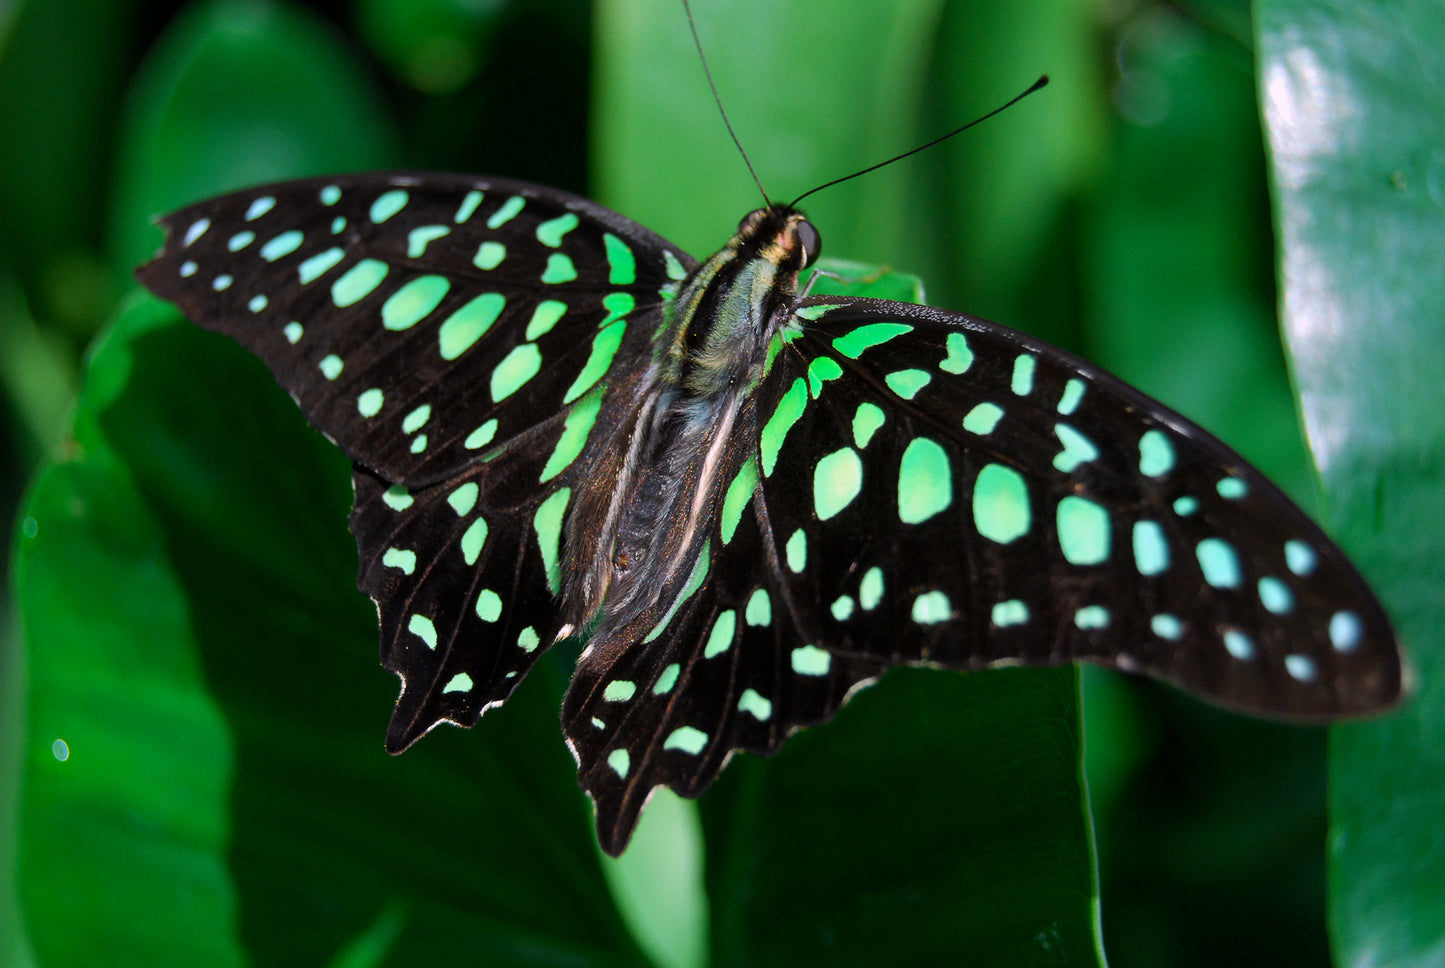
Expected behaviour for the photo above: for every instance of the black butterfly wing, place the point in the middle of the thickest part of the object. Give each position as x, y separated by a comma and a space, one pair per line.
967, 495
913, 486
471, 344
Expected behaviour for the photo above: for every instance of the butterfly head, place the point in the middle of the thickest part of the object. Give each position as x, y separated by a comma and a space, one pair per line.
779, 234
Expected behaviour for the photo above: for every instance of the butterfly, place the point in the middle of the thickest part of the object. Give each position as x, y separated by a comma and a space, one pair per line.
747, 502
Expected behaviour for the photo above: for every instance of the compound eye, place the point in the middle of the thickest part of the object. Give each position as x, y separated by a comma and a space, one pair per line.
810, 240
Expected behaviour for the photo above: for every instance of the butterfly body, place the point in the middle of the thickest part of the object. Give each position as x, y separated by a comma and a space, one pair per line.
749, 502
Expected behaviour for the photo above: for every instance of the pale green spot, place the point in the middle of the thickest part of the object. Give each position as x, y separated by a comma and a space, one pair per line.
544, 317
461, 682
1232, 488
482, 436
197, 229
417, 419
1083, 531
870, 589
1151, 551
1011, 612
907, 383
720, 639
814, 311
559, 269
1275, 596
240, 240
604, 348
694, 581
620, 761
330, 366
515, 370
617, 304
667, 680
1346, 631
330, 195
930, 608
623, 263
506, 212
866, 422
1022, 381
318, 265
867, 336
789, 409
1300, 557
489, 255
811, 661
739, 493
388, 204
925, 481
489, 605
1078, 449
397, 498
760, 609
550, 232
257, 303
619, 690
293, 331
1166, 626
676, 271
959, 357
820, 371
470, 322
420, 237
528, 640
1219, 562
259, 207
464, 498
983, 418
468, 206
418, 444
401, 559
1073, 394
574, 435
837, 480
422, 628
689, 740
797, 551
473, 540
842, 608
548, 523
752, 703
1001, 504
1185, 506
1156, 454
337, 224
358, 282
222, 282
369, 403
1092, 617
1238, 645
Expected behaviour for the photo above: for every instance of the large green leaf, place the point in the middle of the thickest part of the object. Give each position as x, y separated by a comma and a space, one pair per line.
1354, 98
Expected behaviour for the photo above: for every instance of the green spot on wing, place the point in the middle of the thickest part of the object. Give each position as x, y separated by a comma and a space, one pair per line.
548, 523
369, 403
515, 370
667, 680
620, 761
867, 336
1156, 454
407, 306
907, 383
866, 423
604, 349
401, 559
930, 608
559, 269
1000, 504
550, 232
959, 357
422, 628
318, 265
388, 204
420, 237
739, 493
574, 435
720, 639
461, 682
358, 282
811, 661
820, 371
464, 498
760, 609
687, 739
619, 690
489, 255
870, 589
789, 409
623, 263
752, 703
925, 481
544, 317
837, 480
473, 540
506, 212
1083, 531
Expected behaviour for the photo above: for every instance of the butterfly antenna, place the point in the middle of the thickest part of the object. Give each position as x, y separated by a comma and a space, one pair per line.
1035, 86
712, 86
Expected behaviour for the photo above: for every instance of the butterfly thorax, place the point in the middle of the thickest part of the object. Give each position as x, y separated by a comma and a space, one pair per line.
709, 356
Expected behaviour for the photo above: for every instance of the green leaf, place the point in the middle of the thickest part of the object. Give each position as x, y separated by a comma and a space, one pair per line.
1355, 116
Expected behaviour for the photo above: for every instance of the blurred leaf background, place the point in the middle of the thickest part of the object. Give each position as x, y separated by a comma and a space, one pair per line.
190, 759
